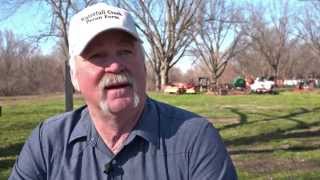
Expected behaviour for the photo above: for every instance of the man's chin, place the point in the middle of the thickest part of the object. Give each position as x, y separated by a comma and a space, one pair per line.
119, 105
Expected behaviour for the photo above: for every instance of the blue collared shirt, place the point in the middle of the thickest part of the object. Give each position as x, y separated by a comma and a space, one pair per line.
167, 143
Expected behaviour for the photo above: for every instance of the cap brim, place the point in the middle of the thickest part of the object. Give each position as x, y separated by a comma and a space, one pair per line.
106, 30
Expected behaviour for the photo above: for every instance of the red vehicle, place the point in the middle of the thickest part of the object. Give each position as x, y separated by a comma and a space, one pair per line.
180, 88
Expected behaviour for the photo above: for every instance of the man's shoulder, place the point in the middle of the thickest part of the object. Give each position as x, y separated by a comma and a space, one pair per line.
171, 111
179, 121
175, 113
57, 129
62, 120
181, 129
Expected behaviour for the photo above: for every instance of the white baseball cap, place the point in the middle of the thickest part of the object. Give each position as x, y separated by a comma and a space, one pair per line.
88, 23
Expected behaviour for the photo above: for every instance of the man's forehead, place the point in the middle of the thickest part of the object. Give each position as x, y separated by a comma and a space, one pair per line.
116, 36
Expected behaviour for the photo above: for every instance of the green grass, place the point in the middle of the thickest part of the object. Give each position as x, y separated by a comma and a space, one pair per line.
268, 136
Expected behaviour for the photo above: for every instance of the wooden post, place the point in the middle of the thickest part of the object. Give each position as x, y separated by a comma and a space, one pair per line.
0, 110
68, 88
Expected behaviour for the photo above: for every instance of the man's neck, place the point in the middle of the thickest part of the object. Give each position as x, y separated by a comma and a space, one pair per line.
115, 129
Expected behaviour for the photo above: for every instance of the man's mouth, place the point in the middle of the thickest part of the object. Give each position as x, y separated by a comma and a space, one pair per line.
118, 86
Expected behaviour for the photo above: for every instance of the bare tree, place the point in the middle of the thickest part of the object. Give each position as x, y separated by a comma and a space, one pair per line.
310, 25
24, 71
13, 53
60, 12
43, 74
198, 70
303, 63
166, 27
272, 40
218, 38
176, 75
249, 64
150, 77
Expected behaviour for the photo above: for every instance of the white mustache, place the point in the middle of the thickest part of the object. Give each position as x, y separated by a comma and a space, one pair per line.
115, 79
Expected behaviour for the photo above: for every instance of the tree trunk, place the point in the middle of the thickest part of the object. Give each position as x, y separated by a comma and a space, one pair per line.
214, 83
68, 89
158, 81
275, 75
164, 76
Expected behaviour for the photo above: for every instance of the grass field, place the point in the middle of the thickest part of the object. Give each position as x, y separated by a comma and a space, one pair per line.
268, 136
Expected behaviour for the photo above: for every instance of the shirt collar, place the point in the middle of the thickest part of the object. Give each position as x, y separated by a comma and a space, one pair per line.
147, 127
148, 124
82, 127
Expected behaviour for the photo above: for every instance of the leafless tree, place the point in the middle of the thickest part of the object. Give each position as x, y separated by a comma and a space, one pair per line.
176, 75
271, 39
218, 36
249, 64
310, 25
44, 74
13, 52
303, 63
60, 12
23, 70
198, 70
151, 82
166, 27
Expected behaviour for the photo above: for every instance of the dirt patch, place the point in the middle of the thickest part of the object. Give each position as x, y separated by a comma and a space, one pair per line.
267, 164
232, 92
13, 100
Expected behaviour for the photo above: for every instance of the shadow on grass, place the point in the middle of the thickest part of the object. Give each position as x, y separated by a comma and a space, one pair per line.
303, 128
5, 168
291, 116
11, 150
6, 162
277, 134
242, 116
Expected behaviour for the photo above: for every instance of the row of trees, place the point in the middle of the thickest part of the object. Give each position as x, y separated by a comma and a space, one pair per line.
275, 39
23, 70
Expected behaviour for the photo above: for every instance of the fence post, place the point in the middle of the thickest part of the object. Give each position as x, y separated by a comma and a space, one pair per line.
0, 110
68, 88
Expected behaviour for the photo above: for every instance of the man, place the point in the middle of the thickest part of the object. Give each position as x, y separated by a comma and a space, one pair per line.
121, 133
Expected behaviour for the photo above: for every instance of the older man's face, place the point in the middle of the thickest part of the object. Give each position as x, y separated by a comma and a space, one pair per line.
111, 73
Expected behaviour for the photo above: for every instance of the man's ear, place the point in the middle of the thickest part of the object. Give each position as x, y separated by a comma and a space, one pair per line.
74, 80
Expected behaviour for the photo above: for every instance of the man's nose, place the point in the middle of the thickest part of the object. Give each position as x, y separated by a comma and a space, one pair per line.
114, 67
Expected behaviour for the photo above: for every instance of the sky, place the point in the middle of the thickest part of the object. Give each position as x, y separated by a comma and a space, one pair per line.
28, 21
31, 18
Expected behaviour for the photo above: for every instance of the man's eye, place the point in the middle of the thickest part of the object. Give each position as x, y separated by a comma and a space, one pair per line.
125, 52
95, 56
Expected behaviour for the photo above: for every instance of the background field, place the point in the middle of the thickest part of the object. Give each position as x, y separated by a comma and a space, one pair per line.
268, 136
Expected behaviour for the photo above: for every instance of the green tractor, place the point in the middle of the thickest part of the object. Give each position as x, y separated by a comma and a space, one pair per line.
239, 83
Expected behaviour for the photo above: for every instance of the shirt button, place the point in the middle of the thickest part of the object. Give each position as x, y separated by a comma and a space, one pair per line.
92, 141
